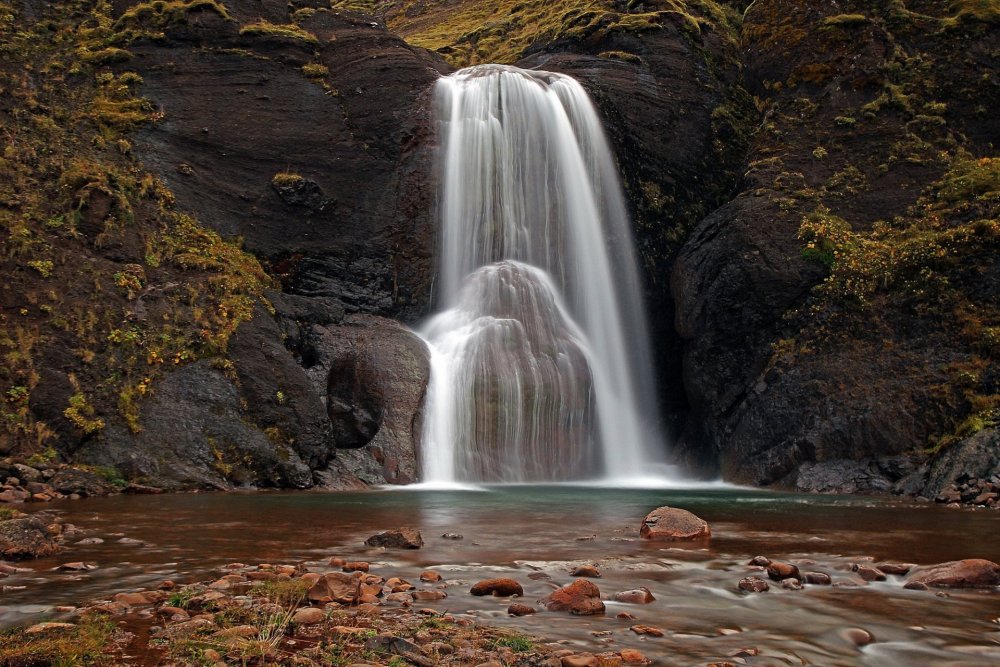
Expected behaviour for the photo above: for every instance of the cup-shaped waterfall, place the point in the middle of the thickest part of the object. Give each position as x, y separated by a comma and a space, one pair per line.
540, 363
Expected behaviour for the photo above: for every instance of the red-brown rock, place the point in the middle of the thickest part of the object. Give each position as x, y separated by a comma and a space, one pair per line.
635, 596
647, 630
970, 573
897, 569
778, 571
336, 587
355, 566
817, 578
518, 609
671, 523
580, 597
430, 576
499, 587
868, 573
586, 571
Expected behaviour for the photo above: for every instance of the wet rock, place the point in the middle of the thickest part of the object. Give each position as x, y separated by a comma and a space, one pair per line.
586, 571
141, 490
868, 573
518, 609
858, 636
640, 595
428, 596
897, 569
501, 587
26, 537
580, 597
759, 561
308, 616
970, 573
404, 599
430, 576
580, 660
77, 566
401, 538
453, 536
753, 585
632, 657
671, 523
397, 585
791, 584
355, 566
82, 482
778, 571
90, 540
817, 578
648, 630
137, 599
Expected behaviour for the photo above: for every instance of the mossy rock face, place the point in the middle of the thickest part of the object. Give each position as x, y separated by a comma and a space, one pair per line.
855, 273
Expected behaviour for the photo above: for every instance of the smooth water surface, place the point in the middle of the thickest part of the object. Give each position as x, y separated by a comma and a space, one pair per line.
537, 534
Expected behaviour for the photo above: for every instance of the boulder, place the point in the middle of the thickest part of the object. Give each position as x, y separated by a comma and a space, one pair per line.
518, 609
753, 585
581, 597
970, 573
26, 537
778, 571
635, 596
82, 482
671, 523
501, 587
817, 578
400, 538
336, 587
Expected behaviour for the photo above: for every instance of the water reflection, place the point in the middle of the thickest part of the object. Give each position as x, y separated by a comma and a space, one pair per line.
544, 531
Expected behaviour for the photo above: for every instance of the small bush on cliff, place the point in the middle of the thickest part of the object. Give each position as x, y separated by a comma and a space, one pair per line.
284, 30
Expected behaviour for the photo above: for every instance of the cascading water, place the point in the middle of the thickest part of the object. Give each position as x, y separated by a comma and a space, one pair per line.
540, 366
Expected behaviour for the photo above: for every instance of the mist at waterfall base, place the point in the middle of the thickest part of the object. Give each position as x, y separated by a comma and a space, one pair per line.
540, 365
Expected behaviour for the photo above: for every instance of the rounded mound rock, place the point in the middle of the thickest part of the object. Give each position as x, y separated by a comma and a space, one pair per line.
672, 523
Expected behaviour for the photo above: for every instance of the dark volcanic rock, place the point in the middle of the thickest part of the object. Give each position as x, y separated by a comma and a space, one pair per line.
353, 140
374, 374
82, 482
26, 537
777, 375
195, 433
401, 538
975, 457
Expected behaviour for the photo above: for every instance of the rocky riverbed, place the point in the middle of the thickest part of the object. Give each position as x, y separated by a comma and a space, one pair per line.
204, 579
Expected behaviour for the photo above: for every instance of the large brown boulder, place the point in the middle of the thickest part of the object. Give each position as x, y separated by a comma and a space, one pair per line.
337, 587
25, 537
969, 573
499, 587
671, 523
581, 597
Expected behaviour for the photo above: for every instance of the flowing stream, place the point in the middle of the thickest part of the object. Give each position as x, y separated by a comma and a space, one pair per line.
540, 366
536, 535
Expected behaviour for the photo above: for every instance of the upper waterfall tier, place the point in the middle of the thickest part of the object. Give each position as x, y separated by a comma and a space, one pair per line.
541, 364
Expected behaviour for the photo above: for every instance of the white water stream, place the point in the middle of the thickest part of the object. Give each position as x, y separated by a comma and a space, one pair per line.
540, 363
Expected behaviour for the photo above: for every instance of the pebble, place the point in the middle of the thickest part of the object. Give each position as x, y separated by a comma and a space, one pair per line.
753, 585
646, 630
518, 609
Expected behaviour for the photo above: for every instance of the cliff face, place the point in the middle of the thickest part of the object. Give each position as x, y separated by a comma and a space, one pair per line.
813, 188
843, 306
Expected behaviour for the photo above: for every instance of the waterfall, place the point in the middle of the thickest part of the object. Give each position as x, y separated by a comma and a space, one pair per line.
540, 363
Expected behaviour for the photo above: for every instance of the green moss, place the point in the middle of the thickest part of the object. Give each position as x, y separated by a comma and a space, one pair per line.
152, 18
87, 643
315, 70
844, 20
624, 56
470, 32
283, 30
